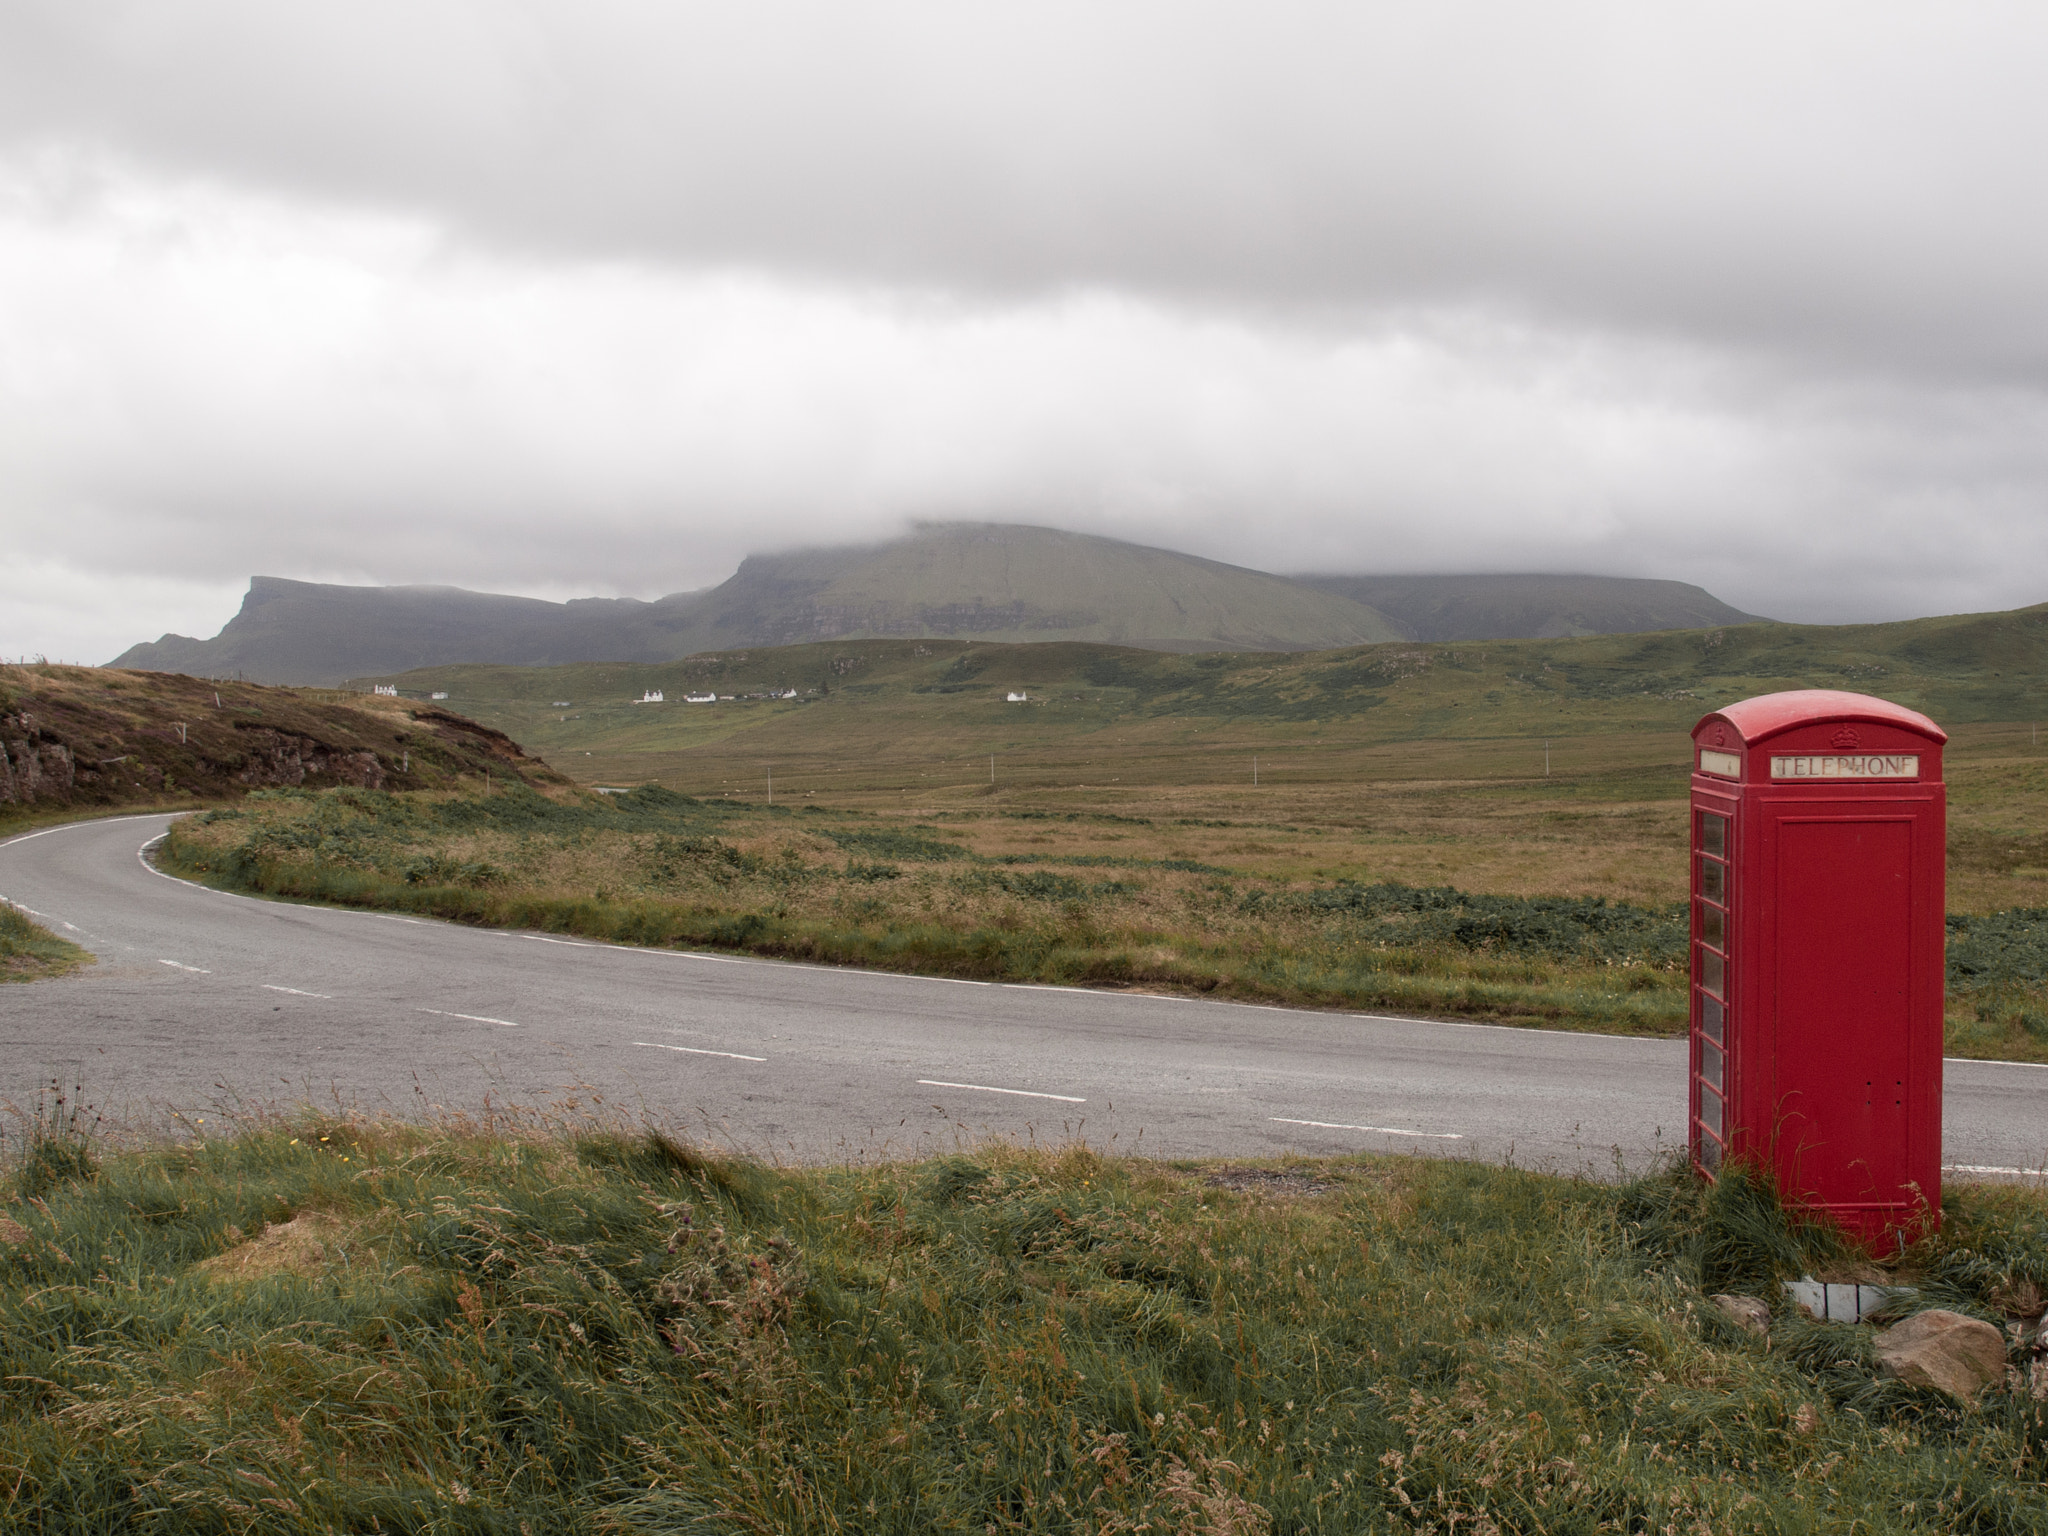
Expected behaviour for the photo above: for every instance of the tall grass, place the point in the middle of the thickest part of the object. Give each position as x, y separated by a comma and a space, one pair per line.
330, 1323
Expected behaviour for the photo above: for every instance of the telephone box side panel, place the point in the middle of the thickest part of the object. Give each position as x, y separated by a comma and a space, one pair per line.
1713, 1061
1929, 1024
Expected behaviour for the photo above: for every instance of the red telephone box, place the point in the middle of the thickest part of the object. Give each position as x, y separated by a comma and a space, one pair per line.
1818, 930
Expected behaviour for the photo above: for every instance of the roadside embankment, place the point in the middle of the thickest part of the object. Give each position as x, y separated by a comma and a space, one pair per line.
551, 1323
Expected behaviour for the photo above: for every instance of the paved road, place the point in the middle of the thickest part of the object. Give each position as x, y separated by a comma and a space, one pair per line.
202, 999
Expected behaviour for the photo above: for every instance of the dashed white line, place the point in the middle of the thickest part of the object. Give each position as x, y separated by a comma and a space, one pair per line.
474, 1018
697, 1051
295, 992
1377, 1130
180, 965
1022, 1093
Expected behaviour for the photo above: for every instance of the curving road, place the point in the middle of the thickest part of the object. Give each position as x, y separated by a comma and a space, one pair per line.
202, 999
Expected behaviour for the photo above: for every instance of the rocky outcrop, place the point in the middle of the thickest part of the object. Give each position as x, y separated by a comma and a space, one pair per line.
1956, 1354
274, 758
33, 765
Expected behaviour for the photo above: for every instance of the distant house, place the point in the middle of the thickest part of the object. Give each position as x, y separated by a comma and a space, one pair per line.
700, 698
651, 696
439, 694
789, 694
558, 704
1019, 698
388, 690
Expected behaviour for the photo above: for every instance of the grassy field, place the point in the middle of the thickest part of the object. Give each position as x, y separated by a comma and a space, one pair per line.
1208, 906
558, 1324
30, 952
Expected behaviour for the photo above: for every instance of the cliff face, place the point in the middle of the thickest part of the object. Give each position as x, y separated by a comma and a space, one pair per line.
96, 737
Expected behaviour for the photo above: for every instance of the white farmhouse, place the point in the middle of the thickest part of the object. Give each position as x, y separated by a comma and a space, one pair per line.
1020, 698
700, 698
651, 696
388, 690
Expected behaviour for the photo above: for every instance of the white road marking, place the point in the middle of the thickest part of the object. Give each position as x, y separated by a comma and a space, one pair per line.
695, 1051
295, 992
474, 1018
1377, 1130
1022, 1093
180, 965
2029, 1173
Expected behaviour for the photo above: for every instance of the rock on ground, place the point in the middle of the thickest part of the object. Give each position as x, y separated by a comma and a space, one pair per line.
1957, 1354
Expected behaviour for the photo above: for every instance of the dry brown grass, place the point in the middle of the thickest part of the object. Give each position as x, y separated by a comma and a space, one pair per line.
306, 1246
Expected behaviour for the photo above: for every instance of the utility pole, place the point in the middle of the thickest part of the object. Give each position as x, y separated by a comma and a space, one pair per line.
1546, 759
771, 786
1255, 771
991, 769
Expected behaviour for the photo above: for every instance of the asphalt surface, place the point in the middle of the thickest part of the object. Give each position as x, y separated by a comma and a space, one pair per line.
204, 1003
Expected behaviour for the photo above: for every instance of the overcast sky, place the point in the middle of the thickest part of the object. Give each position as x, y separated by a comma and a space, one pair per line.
599, 297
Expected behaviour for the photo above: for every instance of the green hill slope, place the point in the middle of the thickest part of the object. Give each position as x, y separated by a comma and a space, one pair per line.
1005, 582
1529, 606
1976, 667
986, 581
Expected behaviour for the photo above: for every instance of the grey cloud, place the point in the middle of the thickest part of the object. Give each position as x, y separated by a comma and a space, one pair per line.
1851, 178
603, 296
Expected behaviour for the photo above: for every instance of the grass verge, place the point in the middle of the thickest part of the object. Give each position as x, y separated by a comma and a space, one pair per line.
1010, 900
659, 868
30, 952
345, 1324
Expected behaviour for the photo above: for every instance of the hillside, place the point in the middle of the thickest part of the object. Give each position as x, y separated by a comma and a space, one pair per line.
309, 633
77, 738
985, 581
1534, 607
1966, 667
975, 581
1007, 583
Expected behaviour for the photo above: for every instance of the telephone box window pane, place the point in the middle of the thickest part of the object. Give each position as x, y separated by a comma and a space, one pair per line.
1710, 1064
1713, 973
1710, 1109
1714, 927
1714, 881
1711, 1015
1710, 1153
1714, 834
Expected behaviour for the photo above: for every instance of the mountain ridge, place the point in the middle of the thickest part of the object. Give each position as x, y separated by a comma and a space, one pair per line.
1009, 583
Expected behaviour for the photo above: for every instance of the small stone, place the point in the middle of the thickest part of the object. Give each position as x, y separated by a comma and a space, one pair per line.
1745, 1312
1955, 1354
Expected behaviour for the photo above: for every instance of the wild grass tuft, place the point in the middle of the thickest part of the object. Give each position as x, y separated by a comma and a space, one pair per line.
331, 1323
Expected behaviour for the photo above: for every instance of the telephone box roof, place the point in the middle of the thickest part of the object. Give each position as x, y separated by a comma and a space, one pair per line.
1760, 718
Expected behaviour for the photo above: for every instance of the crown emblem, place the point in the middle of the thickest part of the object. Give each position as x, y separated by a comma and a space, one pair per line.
1845, 739
1720, 735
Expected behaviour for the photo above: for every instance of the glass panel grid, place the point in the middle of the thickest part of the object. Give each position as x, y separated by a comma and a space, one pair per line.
1710, 1109
1713, 972
1714, 881
1714, 834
